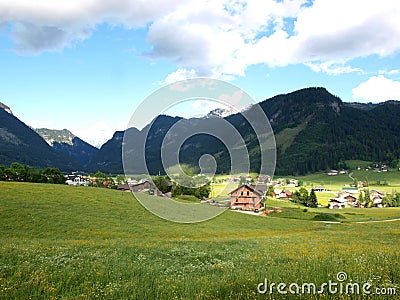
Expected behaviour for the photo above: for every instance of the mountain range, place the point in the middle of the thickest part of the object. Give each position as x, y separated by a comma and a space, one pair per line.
19, 143
314, 131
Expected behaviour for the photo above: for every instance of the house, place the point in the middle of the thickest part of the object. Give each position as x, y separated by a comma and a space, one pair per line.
76, 180
375, 193
377, 198
124, 187
285, 194
337, 203
319, 188
282, 194
350, 199
361, 184
333, 172
377, 202
246, 197
262, 188
263, 178
343, 200
142, 185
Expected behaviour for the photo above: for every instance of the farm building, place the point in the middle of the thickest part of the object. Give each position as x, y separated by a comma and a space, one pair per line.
124, 187
142, 185
282, 194
246, 197
377, 198
319, 188
343, 200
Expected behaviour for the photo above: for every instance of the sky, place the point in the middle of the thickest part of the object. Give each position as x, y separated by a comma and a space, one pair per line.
87, 65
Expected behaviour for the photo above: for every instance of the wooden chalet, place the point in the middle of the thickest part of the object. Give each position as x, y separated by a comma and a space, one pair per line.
246, 197
143, 185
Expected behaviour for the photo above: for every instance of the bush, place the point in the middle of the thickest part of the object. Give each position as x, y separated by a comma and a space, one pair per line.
328, 217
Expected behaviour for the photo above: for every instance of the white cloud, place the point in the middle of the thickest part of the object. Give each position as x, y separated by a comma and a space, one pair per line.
98, 133
377, 89
332, 68
55, 24
343, 29
180, 74
326, 35
219, 38
389, 72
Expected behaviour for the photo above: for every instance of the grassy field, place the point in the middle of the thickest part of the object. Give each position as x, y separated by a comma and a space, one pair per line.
84, 243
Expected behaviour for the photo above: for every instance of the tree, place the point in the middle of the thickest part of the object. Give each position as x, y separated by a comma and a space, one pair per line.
360, 199
34, 175
54, 175
100, 175
303, 198
367, 198
121, 179
270, 191
388, 200
17, 171
101, 180
396, 200
2, 172
312, 199
296, 197
162, 183
242, 180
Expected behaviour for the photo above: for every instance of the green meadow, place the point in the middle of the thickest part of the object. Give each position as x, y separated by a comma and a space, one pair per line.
62, 242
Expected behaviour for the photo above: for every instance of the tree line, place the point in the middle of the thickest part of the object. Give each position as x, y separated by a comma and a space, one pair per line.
391, 200
198, 186
21, 173
302, 196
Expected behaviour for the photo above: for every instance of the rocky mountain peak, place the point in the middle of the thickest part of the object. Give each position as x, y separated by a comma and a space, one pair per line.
52, 136
6, 108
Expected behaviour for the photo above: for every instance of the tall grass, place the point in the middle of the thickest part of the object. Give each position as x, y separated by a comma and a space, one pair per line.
84, 243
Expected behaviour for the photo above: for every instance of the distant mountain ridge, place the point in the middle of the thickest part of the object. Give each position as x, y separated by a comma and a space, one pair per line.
19, 143
65, 142
314, 131
6, 108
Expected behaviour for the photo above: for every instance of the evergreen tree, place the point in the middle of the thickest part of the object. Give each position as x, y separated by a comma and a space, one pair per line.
312, 199
296, 197
367, 198
360, 199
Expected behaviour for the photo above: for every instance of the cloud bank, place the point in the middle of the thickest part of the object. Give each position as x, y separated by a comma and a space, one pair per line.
377, 89
221, 37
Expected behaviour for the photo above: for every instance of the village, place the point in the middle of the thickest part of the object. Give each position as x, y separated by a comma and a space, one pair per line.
249, 193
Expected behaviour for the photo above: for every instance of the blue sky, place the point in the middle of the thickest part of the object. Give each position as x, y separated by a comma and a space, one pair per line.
86, 65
